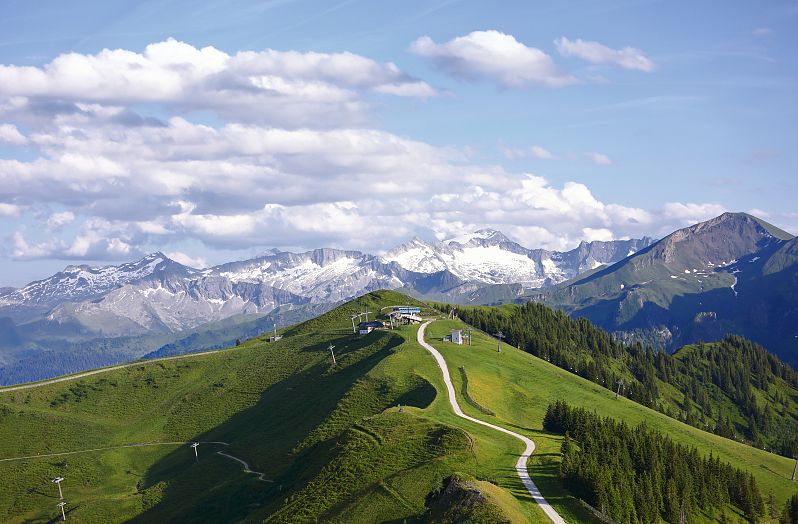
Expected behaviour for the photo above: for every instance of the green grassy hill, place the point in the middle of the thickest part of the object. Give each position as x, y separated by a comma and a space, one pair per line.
330, 441
518, 387
733, 387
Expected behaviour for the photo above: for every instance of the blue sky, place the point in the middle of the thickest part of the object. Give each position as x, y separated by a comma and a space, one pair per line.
297, 124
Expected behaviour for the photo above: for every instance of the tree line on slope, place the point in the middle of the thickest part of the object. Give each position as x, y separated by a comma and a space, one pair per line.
638, 475
711, 377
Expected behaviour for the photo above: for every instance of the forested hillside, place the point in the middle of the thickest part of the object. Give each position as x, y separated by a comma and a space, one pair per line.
637, 474
733, 387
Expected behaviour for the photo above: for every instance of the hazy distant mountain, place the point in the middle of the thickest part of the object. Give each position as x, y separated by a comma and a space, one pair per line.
732, 274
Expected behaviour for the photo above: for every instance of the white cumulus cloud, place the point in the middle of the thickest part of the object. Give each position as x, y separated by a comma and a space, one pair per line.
57, 221
286, 164
285, 87
9, 210
536, 151
496, 56
691, 213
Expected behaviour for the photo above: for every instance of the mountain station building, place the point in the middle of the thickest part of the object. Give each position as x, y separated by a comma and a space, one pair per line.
364, 328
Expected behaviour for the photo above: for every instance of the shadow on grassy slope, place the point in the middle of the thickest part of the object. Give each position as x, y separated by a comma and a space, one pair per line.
290, 434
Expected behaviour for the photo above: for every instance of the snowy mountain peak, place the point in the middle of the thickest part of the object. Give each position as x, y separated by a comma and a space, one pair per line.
83, 282
487, 256
418, 255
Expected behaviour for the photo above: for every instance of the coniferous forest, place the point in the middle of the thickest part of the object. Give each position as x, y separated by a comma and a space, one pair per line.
733, 387
638, 475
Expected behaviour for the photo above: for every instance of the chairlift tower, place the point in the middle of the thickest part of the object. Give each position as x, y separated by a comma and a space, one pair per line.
195, 445
63, 513
618, 391
57, 481
499, 336
332, 353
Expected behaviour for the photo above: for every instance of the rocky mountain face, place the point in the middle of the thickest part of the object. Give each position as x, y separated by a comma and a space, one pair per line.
84, 283
158, 295
321, 275
732, 274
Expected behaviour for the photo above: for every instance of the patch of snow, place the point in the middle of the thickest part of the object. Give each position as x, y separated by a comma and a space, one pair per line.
417, 256
495, 265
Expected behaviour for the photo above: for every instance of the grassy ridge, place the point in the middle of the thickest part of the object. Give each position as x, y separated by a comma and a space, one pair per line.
330, 438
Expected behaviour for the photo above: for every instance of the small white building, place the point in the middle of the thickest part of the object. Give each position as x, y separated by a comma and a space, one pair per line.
456, 336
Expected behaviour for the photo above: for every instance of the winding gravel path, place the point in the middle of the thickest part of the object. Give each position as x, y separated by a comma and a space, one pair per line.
520, 466
246, 466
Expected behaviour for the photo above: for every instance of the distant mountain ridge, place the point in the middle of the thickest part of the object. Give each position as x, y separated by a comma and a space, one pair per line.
699, 283
159, 294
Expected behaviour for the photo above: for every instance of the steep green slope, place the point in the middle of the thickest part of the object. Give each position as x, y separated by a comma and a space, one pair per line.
733, 387
518, 387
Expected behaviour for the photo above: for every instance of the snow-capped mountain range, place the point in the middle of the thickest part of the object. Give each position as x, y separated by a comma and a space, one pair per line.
489, 257
157, 294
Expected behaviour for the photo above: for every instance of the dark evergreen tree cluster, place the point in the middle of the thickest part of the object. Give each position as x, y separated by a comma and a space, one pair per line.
790, 515
638, 475
709, 375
